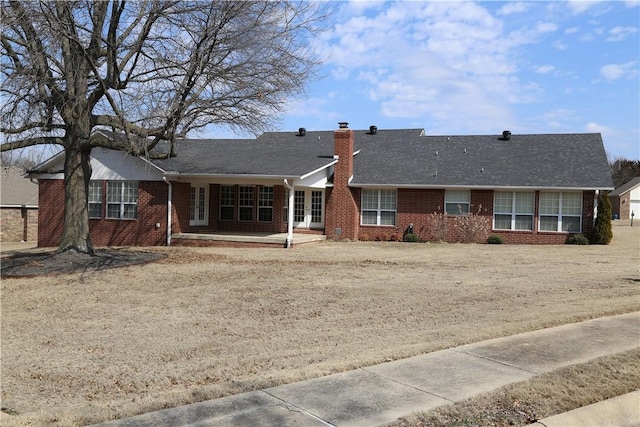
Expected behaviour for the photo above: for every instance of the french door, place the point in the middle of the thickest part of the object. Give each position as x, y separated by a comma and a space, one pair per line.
308, 209
199, 205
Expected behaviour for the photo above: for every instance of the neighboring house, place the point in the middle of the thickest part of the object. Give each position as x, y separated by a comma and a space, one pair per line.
348, 185
18, 206
626, 199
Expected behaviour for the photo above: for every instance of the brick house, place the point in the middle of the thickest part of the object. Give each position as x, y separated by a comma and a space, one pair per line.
18, 206
345, 184
626, 199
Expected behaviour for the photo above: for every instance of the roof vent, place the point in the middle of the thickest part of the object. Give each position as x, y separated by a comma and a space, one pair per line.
373, 130
343, 125
302, 132
506, 135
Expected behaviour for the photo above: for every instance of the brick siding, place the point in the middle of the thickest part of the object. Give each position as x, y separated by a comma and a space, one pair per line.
149, 229
417, 207
18, 224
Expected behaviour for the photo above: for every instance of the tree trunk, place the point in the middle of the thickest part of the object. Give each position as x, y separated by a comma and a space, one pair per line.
77, 173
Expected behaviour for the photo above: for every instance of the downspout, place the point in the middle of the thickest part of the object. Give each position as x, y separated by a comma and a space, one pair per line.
169, 200
289, 241
595, 208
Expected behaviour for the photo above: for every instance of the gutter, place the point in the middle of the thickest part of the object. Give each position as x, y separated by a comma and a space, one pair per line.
169, 207
19, 206
475, 187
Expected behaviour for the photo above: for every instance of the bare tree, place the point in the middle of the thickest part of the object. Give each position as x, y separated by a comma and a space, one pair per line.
148, 70
624, 170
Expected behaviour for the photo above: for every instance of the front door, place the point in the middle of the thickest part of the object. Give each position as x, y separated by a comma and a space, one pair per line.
308, 209
199, 205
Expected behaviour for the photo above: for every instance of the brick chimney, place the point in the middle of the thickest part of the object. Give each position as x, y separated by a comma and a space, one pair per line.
343, 148
342, 217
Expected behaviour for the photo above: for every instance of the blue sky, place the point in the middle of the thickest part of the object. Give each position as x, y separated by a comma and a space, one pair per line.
480, 68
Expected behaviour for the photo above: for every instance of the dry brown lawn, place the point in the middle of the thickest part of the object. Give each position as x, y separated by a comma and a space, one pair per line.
207, 322
523, 403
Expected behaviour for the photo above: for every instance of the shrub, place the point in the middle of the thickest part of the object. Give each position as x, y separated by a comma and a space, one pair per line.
577, 239
601, 233
411, 237
472, 227
495, 240
437, 227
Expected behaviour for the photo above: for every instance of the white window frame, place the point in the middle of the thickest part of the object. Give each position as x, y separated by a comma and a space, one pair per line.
225, 200
457, 202
124, 195
560, 211
285, 205
265, 203
94, 199
245, 204
514, 212
377, 205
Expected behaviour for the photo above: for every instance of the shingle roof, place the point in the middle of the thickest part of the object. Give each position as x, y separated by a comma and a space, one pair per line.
407, 157
16, 190
624, 188
541, 161
264, 156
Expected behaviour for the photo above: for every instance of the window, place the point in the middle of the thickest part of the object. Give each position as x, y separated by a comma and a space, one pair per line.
561, 212
227, 201
265, 204
285, 205
122, 199
245, 204
513, 210
379, 207
95, 199
456, 202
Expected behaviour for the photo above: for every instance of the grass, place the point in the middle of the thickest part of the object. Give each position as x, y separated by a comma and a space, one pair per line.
523, 403
209, 322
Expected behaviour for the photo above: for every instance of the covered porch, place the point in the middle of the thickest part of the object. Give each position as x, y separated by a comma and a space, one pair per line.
244, 239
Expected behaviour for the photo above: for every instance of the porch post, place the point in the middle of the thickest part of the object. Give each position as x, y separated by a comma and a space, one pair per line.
169, 208
290, 187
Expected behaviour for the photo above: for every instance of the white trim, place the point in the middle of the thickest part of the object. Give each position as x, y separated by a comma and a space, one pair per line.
379, 210
232, 179
169, 207
19, 206
50, 160
289, 187
196, 221
474, 187
308, 174
144, 159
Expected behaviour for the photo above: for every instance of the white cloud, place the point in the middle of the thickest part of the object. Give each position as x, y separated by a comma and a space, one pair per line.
611, 72
559, 45
581, 6
617, 34
451, 65
592, 127
560, 118
546, 27
587, 37
340, 73
544, 69
513, 7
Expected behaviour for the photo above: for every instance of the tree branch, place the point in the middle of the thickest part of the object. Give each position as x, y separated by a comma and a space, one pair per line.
31, 142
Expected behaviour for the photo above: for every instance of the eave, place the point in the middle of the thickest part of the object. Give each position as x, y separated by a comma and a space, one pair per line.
479, 187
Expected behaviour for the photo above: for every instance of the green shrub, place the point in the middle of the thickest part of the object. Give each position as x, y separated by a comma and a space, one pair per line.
602, 233
411, 237
495, 240
577, 239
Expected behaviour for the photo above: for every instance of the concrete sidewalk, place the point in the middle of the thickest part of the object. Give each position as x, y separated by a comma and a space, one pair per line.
380, 394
